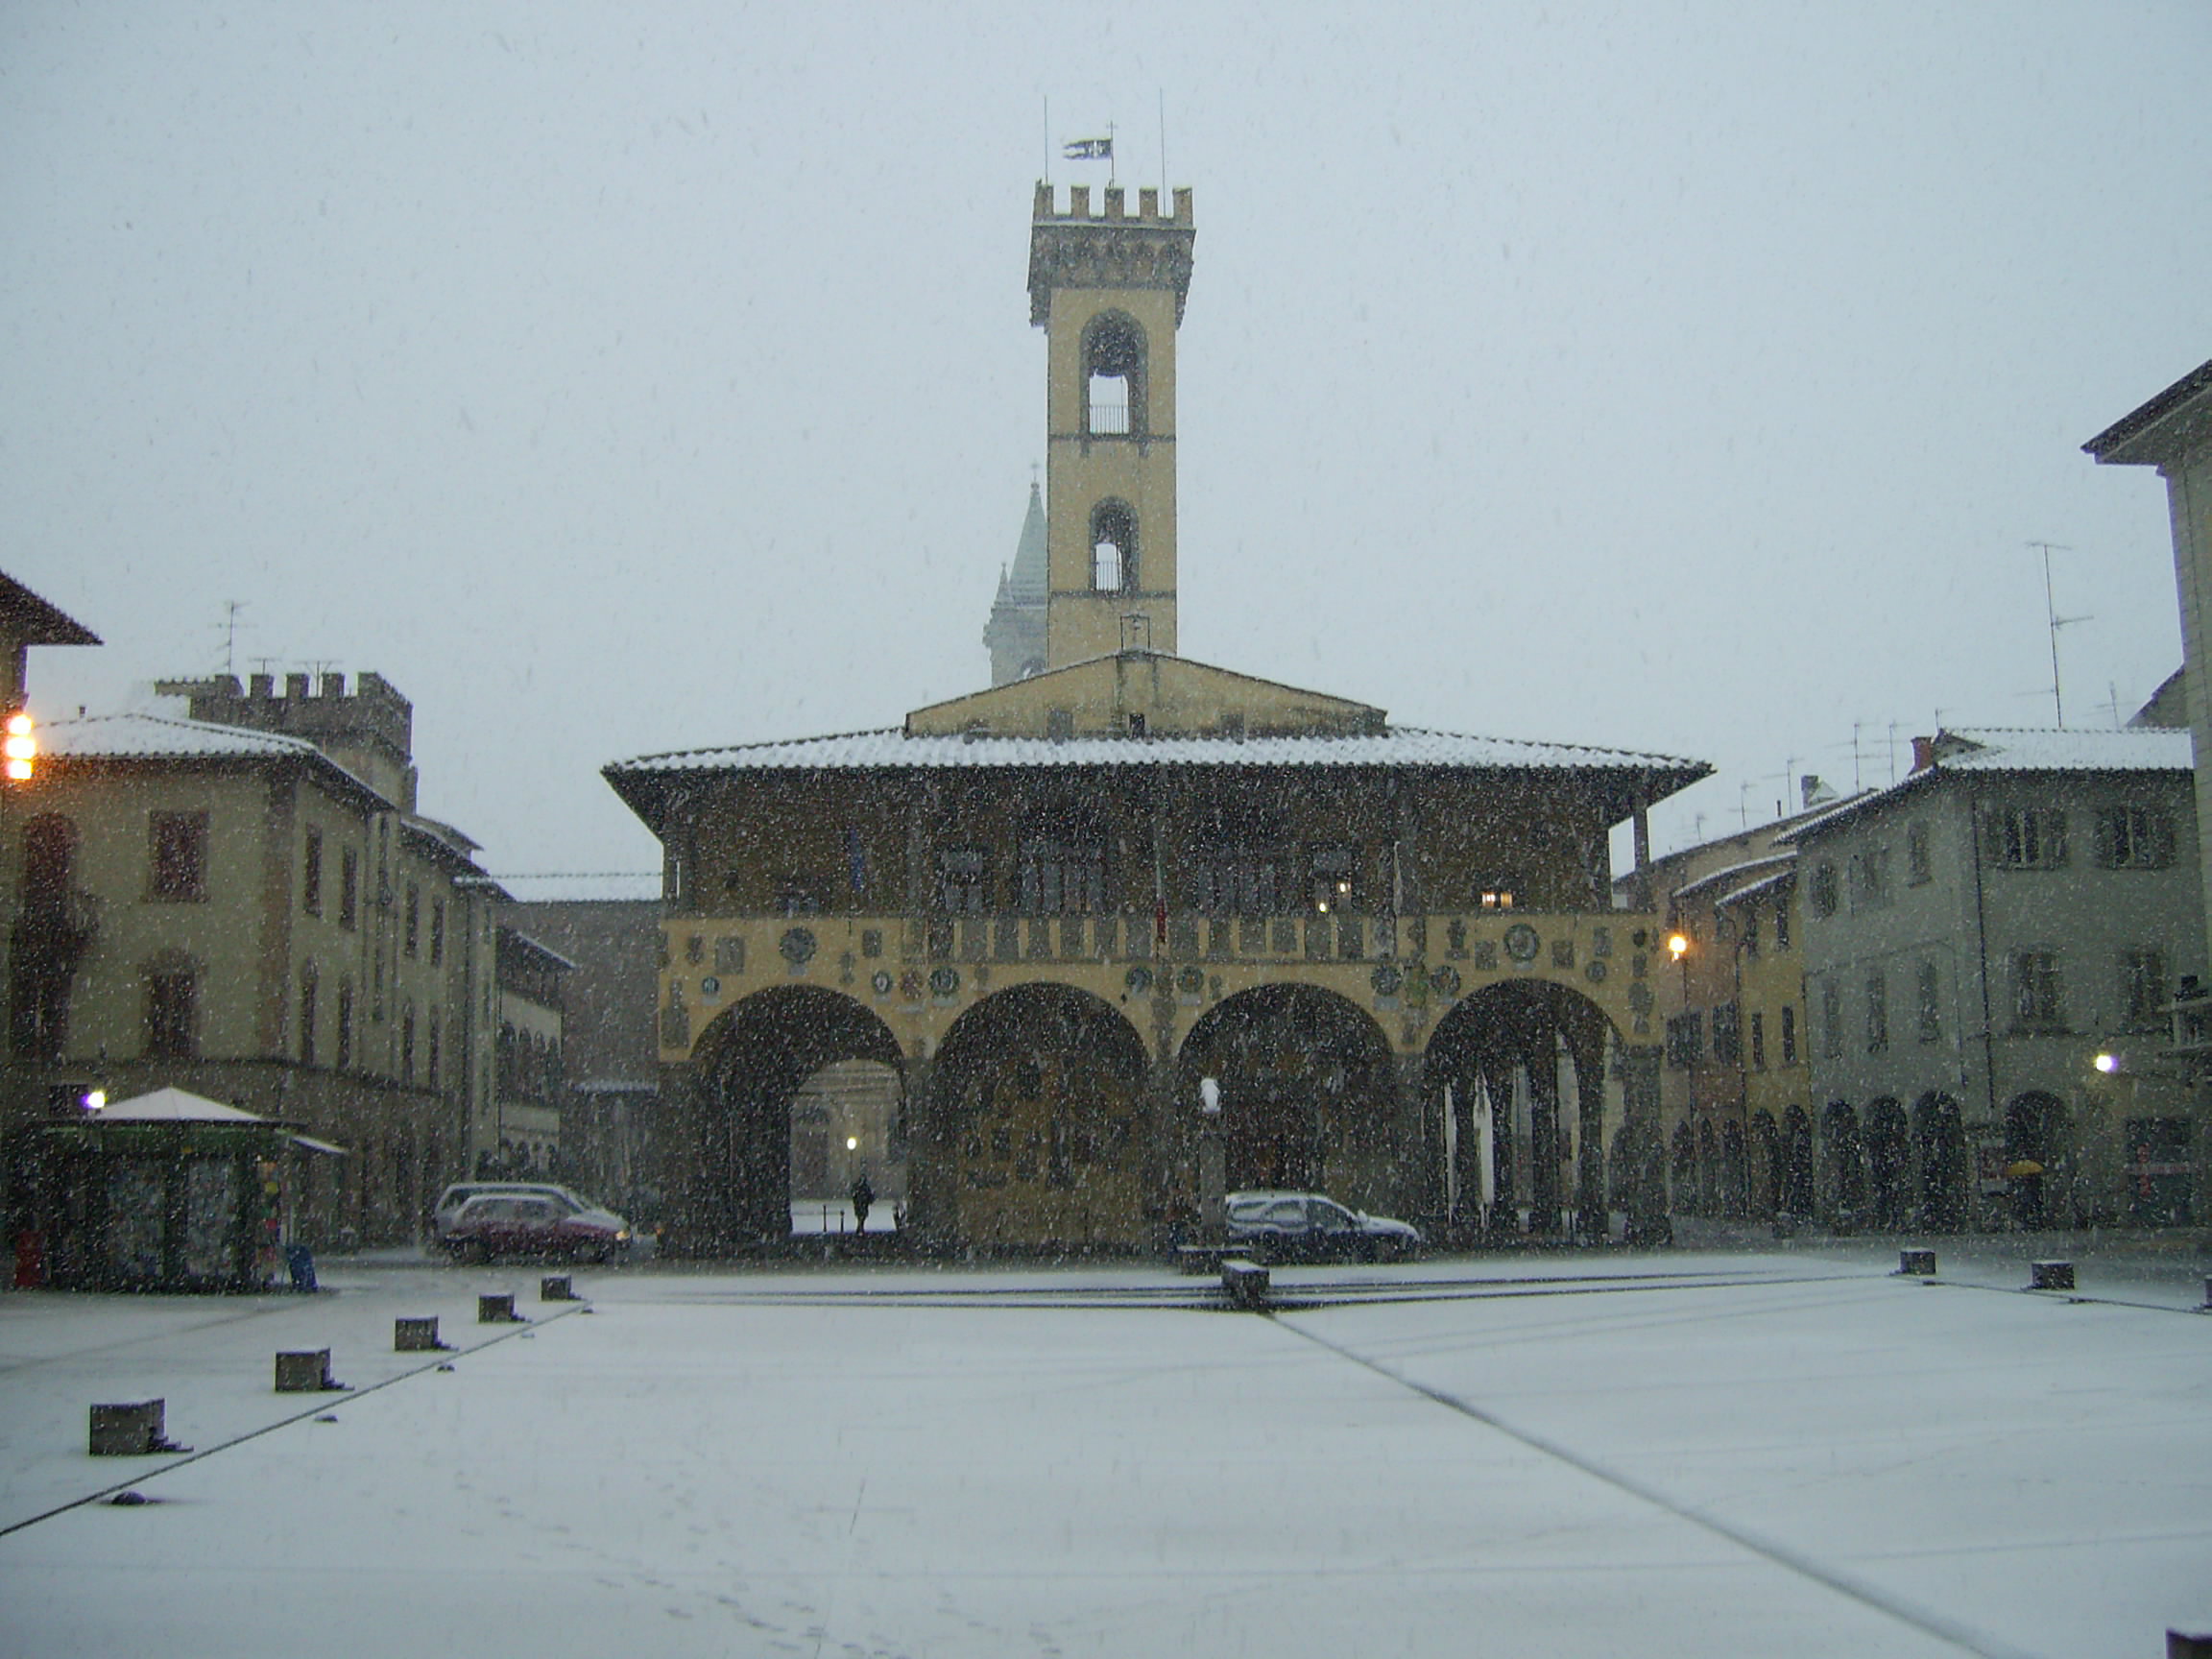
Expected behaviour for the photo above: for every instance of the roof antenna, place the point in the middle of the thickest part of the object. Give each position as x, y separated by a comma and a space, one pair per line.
2055, 621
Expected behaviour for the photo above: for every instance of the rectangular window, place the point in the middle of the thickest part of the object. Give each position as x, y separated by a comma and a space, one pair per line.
1238, 880
407, 1044
172, 1008
1686, 1040
1877, 1012
1727, 1035
412, 920
1824, 890
963, 880
1930, 1004
1063, 878
2134, 838
2023, 837
311, 873
179, 856
1919, 867
1789, 1035
1782, 924
1333, 870
2142, 989
310, 990
350, 888
1758, 1040
437, 931
1831, 1018
344, 1027
1869, 879
1751, 931
2037, 1003
431, 1067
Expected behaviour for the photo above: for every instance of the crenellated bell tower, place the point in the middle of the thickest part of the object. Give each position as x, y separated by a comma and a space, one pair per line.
1108, 288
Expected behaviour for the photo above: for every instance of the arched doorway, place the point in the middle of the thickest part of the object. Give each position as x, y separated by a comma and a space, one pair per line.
1939, 1149
1766, 1183
1798, 1161
1846, 1164
1886, 1163
2034, 1130
1734, 1172
1308, 1094
749, 1063
1535, 1052
1038, 1109
1685, 1168
1707, 1168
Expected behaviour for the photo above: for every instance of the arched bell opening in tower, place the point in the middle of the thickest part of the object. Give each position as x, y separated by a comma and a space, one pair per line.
1113, 376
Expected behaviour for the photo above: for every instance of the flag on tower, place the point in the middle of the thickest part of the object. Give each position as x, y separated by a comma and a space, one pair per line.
1089, 150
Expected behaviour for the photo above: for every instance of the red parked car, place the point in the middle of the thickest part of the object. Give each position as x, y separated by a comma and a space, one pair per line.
534, 1224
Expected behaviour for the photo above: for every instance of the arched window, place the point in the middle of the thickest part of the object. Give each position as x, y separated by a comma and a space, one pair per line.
1113, 376
1112, 548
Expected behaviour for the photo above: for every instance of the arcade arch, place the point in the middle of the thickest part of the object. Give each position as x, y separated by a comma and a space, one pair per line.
1041, 1123
750, 1063
1308, 1096
2034, 1135
1939, 1149
1528, 1047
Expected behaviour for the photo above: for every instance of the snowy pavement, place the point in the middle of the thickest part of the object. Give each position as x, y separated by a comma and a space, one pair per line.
1679, 1453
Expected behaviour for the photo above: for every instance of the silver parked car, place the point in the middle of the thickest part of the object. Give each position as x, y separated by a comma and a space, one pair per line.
1310, 1226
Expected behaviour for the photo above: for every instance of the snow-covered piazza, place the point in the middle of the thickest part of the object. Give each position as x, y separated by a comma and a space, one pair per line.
1787, 1449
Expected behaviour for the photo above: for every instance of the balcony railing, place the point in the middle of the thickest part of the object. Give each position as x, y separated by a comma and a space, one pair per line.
1106, 420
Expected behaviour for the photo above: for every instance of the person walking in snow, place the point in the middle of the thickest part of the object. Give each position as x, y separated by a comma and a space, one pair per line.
863, 1195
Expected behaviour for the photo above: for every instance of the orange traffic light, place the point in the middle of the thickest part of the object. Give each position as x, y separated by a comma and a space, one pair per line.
19, 748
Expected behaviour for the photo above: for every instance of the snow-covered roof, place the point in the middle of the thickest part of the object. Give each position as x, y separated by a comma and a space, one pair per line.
1753, 889
620, 887
1399, 746
140, 737
2133, 748
1991, 750
1736, 873
174, 1105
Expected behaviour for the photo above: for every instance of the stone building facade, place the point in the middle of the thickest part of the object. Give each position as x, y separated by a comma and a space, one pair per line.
1053, 907
1990, 950
231, 907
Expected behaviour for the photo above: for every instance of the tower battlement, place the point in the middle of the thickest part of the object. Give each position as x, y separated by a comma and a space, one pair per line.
1106, 246
1113, 208
369, 731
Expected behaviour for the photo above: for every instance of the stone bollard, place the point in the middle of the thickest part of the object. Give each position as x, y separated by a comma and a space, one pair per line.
417, 1336
498, 1309
1246, 1283
555, 1288
306, 1371
2050, 1275
1917, 1264
131, 1431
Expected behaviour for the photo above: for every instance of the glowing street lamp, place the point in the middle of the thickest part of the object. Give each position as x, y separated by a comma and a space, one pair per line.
18, 745
1677, 945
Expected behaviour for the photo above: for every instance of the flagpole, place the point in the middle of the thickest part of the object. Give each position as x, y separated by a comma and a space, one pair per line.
1047, 141
1164, 196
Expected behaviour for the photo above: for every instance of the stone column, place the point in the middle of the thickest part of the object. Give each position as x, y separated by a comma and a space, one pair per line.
1593, 1220
1641, 1149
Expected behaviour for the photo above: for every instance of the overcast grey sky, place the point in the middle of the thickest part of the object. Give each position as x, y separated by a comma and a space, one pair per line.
617, 379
